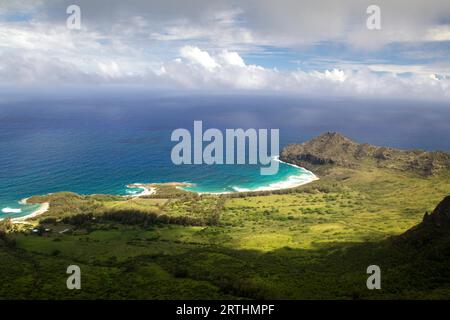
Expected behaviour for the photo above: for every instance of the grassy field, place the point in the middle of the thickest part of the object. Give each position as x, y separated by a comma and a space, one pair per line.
311, 242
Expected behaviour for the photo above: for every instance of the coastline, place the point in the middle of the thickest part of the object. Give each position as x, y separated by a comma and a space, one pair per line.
146, 190
291, 181
42, 209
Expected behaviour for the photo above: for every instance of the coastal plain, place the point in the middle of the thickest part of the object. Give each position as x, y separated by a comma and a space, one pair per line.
310, 242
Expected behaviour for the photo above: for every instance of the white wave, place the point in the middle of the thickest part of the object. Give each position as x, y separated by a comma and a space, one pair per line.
42, 209
240, 189
293, 181
290, 182
277, 158
310, 173
145, 191
214, 193
11, 210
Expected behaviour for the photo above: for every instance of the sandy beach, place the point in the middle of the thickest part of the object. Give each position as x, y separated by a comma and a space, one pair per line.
147, 190
42, 209
151, 188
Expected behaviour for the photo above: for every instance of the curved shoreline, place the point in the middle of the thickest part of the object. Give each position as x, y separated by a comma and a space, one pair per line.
149, 189
146, 191
42, 209
273, 185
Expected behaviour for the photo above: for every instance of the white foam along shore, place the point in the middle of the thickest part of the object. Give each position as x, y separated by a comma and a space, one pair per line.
145, 190
45, 206
293, 181
11, 210
42, 209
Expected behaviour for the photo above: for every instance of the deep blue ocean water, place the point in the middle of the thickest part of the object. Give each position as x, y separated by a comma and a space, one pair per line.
92, 144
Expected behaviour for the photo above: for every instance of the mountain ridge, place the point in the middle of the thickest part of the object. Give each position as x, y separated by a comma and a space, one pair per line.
335, 149
434, 226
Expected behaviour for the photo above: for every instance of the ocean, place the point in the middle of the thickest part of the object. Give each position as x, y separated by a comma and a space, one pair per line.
101, 143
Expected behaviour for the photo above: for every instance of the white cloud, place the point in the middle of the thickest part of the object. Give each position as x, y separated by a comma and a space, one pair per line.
232, 58
418, 70
333, 75
438, 33
225, 24
203, 48
195, 55
234, 74
81, 59
40, 54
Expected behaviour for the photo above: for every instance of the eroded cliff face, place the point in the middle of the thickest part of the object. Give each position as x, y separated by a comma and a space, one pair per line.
433, 232
440, 217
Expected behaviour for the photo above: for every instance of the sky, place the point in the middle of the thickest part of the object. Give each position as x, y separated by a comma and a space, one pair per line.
310, 48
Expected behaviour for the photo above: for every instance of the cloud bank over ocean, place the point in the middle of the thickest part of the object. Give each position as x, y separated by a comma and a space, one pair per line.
318, 48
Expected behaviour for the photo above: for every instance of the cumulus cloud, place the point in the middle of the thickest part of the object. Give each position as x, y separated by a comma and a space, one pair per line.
195, 55
227, 70
209, 45
78, 61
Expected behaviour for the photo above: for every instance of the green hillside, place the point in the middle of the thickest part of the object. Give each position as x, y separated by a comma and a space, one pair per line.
311, 242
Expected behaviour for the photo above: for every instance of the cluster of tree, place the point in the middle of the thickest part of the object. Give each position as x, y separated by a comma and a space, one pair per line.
82, 211
240, 287
213, 218
147, 218
6, 226
300, 189
65, 204
79, 220
168, 192
104, 197
48, 220
131, 217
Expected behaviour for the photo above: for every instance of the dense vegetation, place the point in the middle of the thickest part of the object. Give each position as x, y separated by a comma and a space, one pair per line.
314, 241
